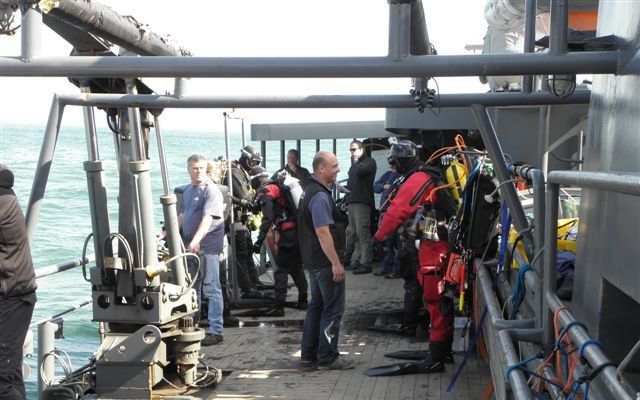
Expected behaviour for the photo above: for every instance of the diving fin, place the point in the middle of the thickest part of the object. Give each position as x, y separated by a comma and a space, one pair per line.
418, 367
417, 355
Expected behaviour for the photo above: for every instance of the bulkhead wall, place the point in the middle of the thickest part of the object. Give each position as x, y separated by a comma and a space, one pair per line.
607, 283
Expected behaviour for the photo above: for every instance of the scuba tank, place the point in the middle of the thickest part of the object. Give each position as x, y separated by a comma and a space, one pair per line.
294, 189
456, 177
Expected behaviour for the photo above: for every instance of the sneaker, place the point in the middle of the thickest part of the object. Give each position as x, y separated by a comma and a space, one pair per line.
362, 269
339, 364
210, 339
382, 273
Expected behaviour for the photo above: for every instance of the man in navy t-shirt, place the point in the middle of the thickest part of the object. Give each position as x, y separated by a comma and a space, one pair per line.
203, 230
321, 244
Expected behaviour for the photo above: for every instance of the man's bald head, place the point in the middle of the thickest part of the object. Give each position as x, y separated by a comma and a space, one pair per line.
325, 167
321, 158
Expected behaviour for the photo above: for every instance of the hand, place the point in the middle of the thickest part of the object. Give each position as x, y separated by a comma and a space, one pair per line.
256, 248
245, 203
386, 186
194, 248
338, 272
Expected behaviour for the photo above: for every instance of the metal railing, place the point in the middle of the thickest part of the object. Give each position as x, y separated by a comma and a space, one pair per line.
47, 326
503, 335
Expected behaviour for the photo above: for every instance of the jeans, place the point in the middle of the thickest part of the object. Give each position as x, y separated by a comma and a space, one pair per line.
208, 286
322, 322
15, 316
360, 223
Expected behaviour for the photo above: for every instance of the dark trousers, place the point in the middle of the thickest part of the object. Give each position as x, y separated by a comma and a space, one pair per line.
289, 263
15, 316
244, 265
322, 322
412, 302
390, 261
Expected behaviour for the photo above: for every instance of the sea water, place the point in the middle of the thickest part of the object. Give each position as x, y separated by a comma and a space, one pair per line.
65, 222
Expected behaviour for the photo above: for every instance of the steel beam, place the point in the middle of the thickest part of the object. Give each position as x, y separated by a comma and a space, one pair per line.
588, 62
507, 191
319, 101
30, 32
399, 30
559, 27
529, 39
43, 167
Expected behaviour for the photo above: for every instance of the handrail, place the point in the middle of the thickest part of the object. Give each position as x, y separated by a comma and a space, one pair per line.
61, 313
620, 182
64, 266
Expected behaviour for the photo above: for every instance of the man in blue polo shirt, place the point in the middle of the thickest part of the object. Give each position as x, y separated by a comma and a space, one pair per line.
321, 243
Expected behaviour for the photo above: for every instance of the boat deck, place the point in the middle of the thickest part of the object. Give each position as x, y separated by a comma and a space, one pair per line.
260, 359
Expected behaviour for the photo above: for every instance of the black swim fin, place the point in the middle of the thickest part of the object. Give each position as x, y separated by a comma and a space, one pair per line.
417, 355
418, 367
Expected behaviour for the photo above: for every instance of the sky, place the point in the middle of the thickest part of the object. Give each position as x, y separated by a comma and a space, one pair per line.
258, 28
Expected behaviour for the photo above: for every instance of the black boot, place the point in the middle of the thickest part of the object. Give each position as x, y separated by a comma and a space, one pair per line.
440, 351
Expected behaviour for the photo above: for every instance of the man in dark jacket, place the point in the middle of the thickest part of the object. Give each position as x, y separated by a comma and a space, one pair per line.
294, 169
359, 205
321, 242
242, 199
17, 289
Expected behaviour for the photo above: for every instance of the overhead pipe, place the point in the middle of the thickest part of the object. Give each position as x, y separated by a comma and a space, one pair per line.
587, 62
318, 101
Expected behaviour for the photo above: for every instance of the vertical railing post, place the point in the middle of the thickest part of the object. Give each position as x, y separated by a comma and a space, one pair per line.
46, 344
550, 253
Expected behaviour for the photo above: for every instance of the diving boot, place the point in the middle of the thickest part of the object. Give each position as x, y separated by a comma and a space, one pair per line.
440, 351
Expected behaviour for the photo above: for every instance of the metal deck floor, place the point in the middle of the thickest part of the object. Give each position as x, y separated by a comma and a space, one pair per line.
261, 361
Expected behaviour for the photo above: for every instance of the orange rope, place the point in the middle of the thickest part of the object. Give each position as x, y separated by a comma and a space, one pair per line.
488, 390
